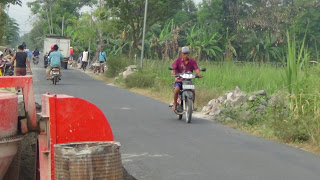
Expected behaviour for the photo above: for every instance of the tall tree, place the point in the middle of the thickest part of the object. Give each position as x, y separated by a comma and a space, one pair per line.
131, 14
53, 12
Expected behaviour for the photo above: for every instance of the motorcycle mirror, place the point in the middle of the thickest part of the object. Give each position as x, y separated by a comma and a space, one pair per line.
171, 68
203, 69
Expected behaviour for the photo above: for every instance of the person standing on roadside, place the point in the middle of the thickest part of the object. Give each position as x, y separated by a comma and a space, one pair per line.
70, 56
102, 60
85, 59
22, 63
71, 53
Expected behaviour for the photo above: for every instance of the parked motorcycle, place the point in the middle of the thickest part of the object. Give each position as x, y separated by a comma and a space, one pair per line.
55, 75
35, 60
185, 104
5, 69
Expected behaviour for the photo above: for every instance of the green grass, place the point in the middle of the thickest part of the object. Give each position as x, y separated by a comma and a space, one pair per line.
222, 77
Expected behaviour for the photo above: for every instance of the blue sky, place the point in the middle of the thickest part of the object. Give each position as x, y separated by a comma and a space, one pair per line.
24, 17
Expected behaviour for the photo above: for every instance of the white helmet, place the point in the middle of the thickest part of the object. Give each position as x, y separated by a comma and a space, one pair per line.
185, 49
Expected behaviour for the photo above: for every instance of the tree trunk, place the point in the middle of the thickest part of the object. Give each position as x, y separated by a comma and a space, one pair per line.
0, 20
100, 43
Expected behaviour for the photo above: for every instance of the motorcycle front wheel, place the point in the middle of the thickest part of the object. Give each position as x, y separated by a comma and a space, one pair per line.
188, 110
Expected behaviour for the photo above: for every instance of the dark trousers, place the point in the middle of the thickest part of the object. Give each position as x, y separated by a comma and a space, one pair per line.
84, 65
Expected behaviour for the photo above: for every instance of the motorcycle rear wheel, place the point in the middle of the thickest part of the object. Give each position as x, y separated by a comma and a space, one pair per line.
54, 80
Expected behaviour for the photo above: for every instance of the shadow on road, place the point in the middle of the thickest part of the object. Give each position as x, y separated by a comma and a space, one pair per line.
127, 176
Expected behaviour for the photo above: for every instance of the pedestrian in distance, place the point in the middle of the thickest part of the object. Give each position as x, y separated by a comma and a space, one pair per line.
70, 56
22, 63
71, 53
29, 54
85, 59
102, 59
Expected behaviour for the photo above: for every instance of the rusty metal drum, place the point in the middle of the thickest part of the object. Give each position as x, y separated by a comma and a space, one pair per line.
8, 150
8, 114
88, 160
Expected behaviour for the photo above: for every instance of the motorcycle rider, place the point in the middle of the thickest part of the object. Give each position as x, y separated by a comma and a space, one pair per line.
54, 60
181, 65
51, 49
47, 55
8, 55
2, 64
36, 53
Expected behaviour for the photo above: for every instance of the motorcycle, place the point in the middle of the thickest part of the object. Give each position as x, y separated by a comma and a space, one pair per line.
185, 103
35, 60
5, 69
45, 61
55, 75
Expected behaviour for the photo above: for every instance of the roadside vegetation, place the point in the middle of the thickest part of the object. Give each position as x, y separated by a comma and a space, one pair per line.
294, 119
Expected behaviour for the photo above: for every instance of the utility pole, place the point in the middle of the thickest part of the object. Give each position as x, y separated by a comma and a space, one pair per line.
144, 32
101, 2
62, 25
90, 37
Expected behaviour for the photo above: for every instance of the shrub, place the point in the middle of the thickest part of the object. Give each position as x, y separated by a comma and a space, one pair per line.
140, 79
117, 64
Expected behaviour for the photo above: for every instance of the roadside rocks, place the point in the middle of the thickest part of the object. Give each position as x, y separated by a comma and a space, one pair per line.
128, 71
230, 99
237, 105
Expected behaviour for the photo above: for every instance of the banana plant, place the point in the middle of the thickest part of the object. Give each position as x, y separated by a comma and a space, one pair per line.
162, 42
271, 51
204, 44
263, 49
230, 51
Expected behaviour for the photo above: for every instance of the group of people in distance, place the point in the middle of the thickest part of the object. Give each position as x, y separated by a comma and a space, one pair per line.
55, 58
85, 56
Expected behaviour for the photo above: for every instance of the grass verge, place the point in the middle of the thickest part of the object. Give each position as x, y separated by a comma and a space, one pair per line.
300, 126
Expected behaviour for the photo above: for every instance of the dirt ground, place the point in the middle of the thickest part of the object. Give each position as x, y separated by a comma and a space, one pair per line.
28, 156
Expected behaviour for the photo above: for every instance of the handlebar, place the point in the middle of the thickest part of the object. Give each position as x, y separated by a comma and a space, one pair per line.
178, 75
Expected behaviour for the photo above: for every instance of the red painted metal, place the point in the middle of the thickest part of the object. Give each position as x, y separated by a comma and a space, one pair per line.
26, 83
8, 129
69, 119
9, 114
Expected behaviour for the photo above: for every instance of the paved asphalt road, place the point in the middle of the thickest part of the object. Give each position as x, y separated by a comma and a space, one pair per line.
157, 146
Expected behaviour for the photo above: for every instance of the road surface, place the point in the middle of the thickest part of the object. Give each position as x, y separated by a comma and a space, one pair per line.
157, 146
